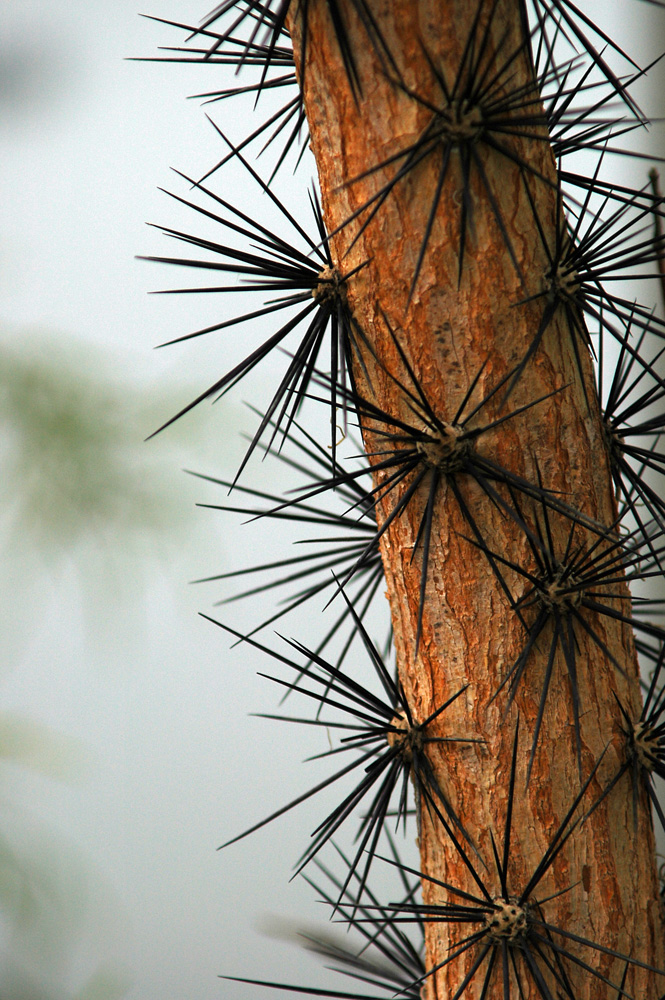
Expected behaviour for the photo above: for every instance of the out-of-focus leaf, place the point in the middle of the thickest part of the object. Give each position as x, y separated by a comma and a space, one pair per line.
37, 746
20, 887
105, 984
74, 463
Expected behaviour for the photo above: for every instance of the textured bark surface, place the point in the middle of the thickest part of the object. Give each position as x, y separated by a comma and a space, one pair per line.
470, 634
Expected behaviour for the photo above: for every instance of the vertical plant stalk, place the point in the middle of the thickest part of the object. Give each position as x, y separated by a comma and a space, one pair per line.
449, 323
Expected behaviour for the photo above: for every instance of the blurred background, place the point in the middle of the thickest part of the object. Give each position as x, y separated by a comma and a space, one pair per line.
126, 751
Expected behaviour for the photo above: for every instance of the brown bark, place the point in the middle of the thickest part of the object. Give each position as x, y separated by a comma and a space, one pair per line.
470, 634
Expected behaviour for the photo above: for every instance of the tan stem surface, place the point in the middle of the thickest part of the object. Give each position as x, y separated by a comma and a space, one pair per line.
470, 634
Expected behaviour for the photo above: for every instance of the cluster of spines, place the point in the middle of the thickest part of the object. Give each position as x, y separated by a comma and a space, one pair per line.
604, 234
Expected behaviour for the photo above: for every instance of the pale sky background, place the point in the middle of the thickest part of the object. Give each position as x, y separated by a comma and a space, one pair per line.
103, 644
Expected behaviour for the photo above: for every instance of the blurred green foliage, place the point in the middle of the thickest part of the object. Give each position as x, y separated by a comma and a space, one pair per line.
44, 888
74, 464
78, 485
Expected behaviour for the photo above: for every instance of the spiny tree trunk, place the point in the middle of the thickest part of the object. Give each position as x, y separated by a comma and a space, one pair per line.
448, 330
458, 292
